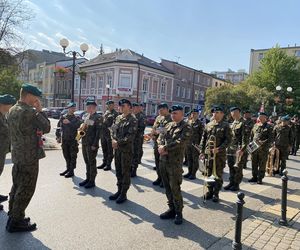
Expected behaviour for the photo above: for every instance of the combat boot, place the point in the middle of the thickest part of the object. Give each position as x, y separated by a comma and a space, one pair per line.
65, 172
122, 197
116, 195
234, 188
169, 214
70, 174
83, 183
107, 168
1, 207
156, 182
215, 198
102, 165
20, 226
259, 181
208, 195
187, 175
192, 177
3, 198
90, 184
161, 184
178, 218
133, 172
227, 187
253, 179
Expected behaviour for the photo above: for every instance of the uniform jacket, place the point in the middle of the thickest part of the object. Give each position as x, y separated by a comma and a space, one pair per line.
141, 123
68, 132
196, 130
263, 133
283, 136
92, 133
109, 118
4, 135
160, 122
239, 136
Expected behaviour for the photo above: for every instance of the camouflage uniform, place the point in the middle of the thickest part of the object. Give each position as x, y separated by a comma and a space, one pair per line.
91, 139
5, 141
124, 131
248, 126
26, 125
174, 140
66, 133
223, 136
283, 138
192, 152
159, 124
263, 133
295, 126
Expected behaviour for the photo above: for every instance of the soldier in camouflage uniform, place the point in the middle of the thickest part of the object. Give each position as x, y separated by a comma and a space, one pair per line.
262, 133
108, 120
139, 138
295, 126
192, 152
159, 125
123, 134
142, 141
248, 125
6, 102
27, 123
66, 133
171, 147
283, 139
221, 131
90, 143
236, 150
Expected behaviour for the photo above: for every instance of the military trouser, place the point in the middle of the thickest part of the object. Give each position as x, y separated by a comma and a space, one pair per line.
141, 151
259, 161
2, 162
235, 172
295, 145
283, 155
171, 173
137, 150
157, 162
193, 159
220, 165
107, 150
70, 150
24, 182
123, 160
244, 159
89, 157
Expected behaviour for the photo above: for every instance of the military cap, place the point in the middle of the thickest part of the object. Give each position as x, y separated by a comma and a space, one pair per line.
7, 99
71, 105
234, 109
217, 108
262, 113
90, 102
142, 104
31, 89
285, 118
163, 106
176, 107
135, 104
109, 102
124, 101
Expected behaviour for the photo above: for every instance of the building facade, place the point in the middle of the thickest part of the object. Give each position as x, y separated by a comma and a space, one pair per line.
218, 82
231, 76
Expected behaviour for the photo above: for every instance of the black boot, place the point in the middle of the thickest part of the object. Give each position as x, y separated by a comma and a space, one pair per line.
253, 179
133, 172
63, 173
3, 198
1, 207
208, 195
70, 174
259, 181
161, 184
83, 183
102, 165
215, 198
169, 214
115, 196
107, 168
20, 226
90, 184
234, 188
187, 175
192, 177
156, 182
122, 197
227, 187
178, 218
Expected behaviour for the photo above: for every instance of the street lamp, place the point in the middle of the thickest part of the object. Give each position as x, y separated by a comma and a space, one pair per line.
277, 98
64, 43
108, 87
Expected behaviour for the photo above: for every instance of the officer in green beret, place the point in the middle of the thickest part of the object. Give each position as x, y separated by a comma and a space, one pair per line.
123, 134
108, 120
27, 124
159, 125
171, 147
66, 132
139, 137
6, 102
90, 142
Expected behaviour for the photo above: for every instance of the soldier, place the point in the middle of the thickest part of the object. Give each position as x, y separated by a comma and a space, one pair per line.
171, 147
6, 102
123, 134
283, 139
90, 143
236, 150
27, 123
161, 121
142, 140
108, 120
248, 125
66, 135
262, 134
139, 137
220, 130
295, 125
192, 152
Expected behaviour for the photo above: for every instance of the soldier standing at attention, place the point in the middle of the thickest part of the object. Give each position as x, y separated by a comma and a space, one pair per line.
159, 125
108, 120
283, 138
90, 143
295, 126
248, 125
193, 154
219, 129
27, 123
262, 133
123, 134
171, 147
6, 102
139, 137
236, 150
142, 139
66, 135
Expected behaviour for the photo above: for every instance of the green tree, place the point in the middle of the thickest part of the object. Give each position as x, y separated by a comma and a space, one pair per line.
9, 83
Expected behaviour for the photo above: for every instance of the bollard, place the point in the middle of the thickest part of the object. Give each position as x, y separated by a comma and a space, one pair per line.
236, 244
284, 178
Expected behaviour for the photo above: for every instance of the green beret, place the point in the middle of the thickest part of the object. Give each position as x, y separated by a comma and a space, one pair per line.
176, 107
124, 101
109, 102
71, 105
234, 109
90, 102
135, 104
142, 104
217, 108
262, 113
31, 89
7, 99
163, 106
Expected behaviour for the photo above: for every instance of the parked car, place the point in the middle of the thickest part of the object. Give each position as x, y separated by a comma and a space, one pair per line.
47, 111
80, 113
55, 112
150, 119
65, 111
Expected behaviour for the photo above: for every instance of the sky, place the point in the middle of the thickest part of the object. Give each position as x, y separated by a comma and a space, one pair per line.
209, 35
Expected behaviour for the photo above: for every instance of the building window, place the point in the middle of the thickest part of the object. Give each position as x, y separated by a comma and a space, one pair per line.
163, 88
101, 82
183, 93
153, 109
109, 80
93, 81
145, 84
125, 81
177, 91
216, 84
83, 82
76, 83
188, 94
297, 53
260, 56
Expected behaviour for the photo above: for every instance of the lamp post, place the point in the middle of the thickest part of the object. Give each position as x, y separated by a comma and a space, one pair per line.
277, 99
64, 43
108, 87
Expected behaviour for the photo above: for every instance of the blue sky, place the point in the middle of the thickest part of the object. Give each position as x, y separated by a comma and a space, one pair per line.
206, 34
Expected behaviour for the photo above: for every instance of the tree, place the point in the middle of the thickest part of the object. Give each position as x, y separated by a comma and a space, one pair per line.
9, 84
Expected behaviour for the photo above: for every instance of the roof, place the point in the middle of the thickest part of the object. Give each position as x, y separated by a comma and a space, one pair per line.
289, 47
69, 63
126, 56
